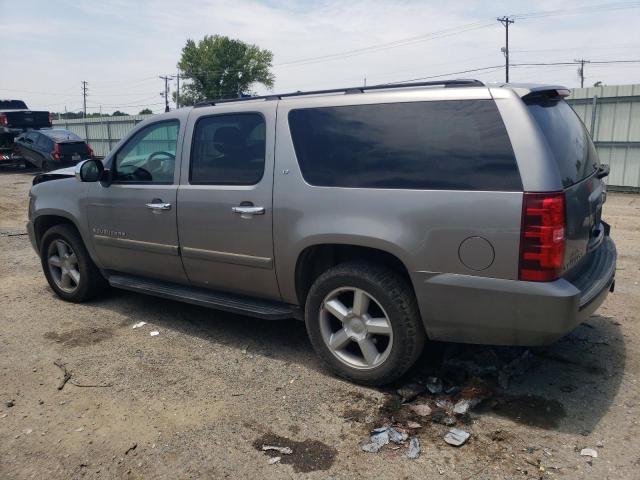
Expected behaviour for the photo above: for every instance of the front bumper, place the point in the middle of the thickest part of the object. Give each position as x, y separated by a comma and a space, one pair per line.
493, 311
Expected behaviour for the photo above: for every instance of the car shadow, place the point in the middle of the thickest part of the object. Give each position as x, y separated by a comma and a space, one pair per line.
566, 387
14, 168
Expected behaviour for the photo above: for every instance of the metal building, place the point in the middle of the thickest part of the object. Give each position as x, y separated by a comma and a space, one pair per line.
612, 115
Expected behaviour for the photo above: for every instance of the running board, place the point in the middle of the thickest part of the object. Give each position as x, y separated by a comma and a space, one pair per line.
253, 307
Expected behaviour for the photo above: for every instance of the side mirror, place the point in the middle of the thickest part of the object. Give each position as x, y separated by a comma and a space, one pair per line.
89, 171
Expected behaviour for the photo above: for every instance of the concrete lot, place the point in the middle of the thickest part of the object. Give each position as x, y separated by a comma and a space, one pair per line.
201, 398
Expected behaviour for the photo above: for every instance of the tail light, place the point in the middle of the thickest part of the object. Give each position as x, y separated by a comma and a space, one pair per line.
3, 120
50, 119
542, 240
89, 151
56, 152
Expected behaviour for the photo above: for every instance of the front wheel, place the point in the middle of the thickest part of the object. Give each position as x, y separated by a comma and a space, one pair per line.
67, 265
363, 321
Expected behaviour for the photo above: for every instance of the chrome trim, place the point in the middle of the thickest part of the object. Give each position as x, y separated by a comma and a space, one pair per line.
226, 257
148, 247
248, 210
158, 206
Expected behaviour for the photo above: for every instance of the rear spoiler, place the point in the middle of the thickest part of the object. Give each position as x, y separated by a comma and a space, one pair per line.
528, 90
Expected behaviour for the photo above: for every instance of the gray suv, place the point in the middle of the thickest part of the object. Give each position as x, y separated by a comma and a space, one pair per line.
381, 216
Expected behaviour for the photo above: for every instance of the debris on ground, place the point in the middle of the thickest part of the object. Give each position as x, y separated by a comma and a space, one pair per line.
434, 385
414, 448
273, 460
422, 409
131, 448
462, 406
10, 403
154, 333
456, 437
410, 391
411, 424
283, 450
589, 452
139, 324
442, 418
67, 378
382, 436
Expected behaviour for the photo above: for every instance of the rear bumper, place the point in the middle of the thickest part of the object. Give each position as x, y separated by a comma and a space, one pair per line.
492, 311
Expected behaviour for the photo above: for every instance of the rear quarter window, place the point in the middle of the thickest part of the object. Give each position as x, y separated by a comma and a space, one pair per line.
571, 146
445, 145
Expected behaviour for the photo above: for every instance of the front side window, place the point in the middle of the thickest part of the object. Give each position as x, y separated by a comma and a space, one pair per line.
149, 156
439, 145
228, 150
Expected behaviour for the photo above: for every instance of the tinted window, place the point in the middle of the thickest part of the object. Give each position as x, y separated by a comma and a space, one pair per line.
228, 150
149, 156
69, 148
458, 145
44, 143
61, 135
569, 141
12, 105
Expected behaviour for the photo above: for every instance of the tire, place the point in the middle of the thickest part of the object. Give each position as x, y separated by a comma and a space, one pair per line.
389, 296
89, 284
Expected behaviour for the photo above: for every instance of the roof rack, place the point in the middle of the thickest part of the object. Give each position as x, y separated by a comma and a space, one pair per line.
349, 90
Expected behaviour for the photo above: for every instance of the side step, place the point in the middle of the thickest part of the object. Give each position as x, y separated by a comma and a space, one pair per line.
265, 309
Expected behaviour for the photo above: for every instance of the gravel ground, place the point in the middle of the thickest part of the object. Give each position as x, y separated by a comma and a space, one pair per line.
200, 399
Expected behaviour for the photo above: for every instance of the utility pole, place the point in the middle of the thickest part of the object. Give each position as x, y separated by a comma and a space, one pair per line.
506, 21
581, 61
84, 99
166, 79
178, 90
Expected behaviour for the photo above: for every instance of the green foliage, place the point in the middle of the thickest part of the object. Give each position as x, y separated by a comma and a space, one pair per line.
118, 113
220, 67
146, 111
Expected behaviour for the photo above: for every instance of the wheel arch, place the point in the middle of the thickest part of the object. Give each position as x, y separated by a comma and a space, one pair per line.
316, 259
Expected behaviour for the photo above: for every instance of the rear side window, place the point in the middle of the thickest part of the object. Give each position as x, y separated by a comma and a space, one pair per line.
228, 150
442, 145
566, 136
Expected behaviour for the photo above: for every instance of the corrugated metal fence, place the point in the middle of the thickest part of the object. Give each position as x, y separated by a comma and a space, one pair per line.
102, 133
615, 128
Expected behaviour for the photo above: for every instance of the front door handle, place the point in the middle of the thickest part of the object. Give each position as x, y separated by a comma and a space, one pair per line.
158, 205
248, 210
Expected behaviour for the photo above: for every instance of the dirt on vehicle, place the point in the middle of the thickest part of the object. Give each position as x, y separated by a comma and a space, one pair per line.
84, 394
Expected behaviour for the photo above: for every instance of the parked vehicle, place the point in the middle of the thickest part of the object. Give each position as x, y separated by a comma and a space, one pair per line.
382, 216
51, 149
16, 118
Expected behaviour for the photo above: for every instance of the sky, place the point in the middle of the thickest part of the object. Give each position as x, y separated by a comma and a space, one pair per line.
120, 47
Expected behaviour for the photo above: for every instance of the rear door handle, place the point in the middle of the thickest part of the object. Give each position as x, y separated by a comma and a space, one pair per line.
155, 205
248, 210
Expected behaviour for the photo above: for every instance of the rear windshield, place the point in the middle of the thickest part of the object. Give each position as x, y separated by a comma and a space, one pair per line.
61, 135
567, 137
12, 105
439, 145
70, 148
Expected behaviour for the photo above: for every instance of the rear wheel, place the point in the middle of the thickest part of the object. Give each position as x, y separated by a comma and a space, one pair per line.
363, 321
68, 267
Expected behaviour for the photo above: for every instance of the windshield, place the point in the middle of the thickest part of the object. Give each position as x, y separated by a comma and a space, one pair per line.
567, 137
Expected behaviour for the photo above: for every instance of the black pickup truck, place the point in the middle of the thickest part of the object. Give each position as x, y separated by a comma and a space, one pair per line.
16, 118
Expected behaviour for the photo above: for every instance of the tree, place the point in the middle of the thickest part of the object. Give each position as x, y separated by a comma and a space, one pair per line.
220, 67
146, 111
118, 113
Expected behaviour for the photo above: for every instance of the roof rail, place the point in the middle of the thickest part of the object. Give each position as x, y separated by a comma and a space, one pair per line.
349, 90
